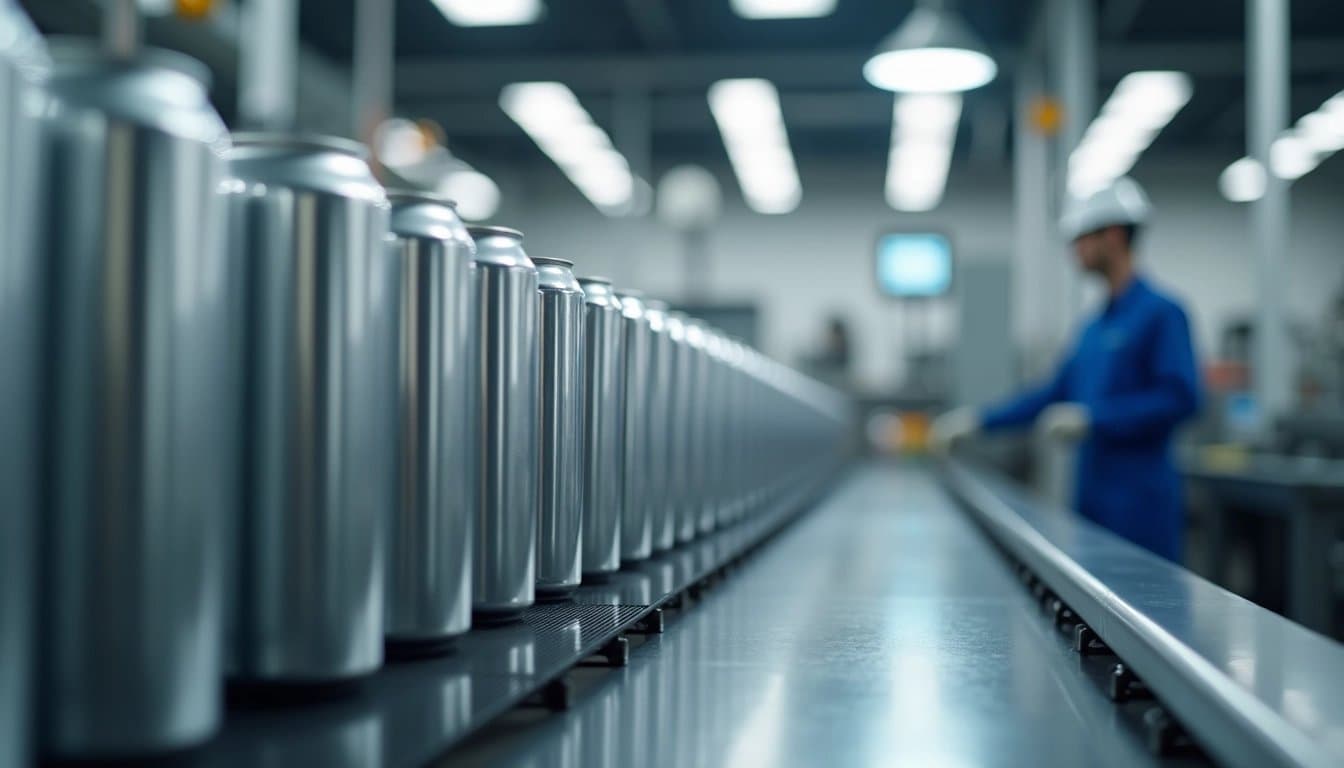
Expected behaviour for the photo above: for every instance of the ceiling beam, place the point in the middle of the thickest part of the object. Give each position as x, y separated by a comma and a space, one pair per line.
656, 27
449, 77
1118, 17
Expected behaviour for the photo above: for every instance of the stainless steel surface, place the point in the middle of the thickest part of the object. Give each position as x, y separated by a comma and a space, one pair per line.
308, 228
681, 464
603, 426
659, 439
636, 503
720, 470
882, 629
560, 508
506, 424
22, 67
431, 526
138, 399
1252, 688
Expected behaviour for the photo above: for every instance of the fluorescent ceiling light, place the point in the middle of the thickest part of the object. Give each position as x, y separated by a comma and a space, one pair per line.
932, 51
1291, 157
551, 115
923, 134
783, 9
490, 13
477, 195
1299, 150
747, 113
1242, 181
1142, 104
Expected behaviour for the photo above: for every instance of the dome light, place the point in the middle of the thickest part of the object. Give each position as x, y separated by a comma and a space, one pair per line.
932, 51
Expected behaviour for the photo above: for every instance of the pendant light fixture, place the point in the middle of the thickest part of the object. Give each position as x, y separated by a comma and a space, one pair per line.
932, 51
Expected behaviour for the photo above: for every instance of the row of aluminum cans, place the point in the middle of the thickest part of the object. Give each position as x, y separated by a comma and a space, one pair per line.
261, 416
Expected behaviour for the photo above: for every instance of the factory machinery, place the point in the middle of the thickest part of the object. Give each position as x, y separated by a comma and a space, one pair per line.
298, 470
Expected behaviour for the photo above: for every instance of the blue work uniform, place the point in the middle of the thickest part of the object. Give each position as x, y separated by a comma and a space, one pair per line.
1133, 369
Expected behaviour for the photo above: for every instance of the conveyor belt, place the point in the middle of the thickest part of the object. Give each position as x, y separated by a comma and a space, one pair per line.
882, 629
412, 711
1251, 687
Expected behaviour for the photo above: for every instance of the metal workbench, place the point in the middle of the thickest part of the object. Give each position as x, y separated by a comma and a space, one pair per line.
1307, 494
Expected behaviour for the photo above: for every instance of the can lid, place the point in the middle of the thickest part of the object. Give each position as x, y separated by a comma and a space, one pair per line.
306, 141
419, 196
87, 53
479, 231
552, 261
596, 279
656, 305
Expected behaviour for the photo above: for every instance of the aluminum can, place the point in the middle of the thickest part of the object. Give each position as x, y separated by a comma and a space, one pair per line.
507, 440
681, 475
704, 411
138, 400
560, 510
23, 66
430, 533
308, 228
603, 425
658, 439
636, 505
716, 451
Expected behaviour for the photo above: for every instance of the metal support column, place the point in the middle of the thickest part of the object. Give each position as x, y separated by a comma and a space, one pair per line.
1073, 64
268, 53
1033, 246
1266, 118
375, 38
121, 27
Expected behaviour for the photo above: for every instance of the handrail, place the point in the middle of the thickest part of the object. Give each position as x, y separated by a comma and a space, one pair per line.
1252, 688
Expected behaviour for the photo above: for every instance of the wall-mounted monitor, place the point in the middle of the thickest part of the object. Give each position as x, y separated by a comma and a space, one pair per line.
912, 265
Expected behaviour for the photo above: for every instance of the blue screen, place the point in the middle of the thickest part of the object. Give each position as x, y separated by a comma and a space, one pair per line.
914, 265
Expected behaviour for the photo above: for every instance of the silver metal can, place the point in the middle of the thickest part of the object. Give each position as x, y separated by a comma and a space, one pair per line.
658, 439
682, 475
429, 539
724, 429
560, 520
23, 65
307, 234
703, 471
603, 425
506, 425
139, 394
636, 512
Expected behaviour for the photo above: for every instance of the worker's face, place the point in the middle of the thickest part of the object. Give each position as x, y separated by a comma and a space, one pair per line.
1096, 250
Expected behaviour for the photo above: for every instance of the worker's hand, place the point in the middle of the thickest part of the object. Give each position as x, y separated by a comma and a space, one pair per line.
952, 427
1065, 422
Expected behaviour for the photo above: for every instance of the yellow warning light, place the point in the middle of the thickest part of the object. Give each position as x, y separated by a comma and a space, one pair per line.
1045, 115
194, 9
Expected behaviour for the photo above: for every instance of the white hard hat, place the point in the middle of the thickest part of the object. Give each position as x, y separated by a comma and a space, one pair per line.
1120, 202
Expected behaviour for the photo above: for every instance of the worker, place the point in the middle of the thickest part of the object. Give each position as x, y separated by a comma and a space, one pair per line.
1129, 381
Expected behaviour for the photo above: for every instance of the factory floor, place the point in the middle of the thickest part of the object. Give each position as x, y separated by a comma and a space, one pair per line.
883, 628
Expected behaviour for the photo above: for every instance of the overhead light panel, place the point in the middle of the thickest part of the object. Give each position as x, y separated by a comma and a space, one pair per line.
490, 13
923, 134
1297, 151
1242, 181
1142, 104
932, 51
551, 115
747, 113
783, 9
